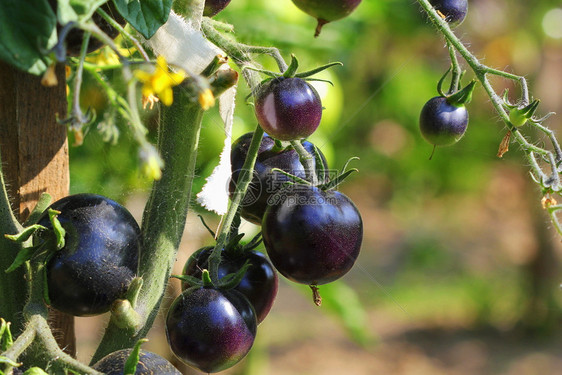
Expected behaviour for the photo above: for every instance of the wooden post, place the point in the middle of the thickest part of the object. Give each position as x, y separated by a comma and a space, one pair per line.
35, 154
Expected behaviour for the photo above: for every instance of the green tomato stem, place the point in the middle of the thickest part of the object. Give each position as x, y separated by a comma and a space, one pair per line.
123, 32
243, 60
37, 335
549, 182
164, 216
13, 299
244, 180
307, 160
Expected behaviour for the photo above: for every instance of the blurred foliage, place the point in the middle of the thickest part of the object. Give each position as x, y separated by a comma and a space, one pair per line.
440, 248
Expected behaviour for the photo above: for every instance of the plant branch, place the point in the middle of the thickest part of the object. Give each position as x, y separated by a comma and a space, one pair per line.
13, 299
164, 216
252, 78
124, 32
549, 182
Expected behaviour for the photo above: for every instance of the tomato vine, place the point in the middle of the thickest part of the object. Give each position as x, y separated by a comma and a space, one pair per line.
186, 95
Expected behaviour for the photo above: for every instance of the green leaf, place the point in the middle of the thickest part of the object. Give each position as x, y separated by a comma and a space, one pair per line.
28, 29
146, 16
77, 10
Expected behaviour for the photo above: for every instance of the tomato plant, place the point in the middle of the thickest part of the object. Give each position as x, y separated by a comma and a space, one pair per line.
85, 254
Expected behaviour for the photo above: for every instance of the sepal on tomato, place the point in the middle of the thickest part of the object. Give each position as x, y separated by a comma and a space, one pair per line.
58, 230
463, 96
133, 359
519, 116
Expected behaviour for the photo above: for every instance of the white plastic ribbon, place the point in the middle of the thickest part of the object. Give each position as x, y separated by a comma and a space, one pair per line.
181, 43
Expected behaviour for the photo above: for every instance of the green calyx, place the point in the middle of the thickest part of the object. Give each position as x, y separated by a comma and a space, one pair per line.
133, 359
58, 230
232, 248
463, 96
322, 185
47, 247
456, 95
292, 69
519, 115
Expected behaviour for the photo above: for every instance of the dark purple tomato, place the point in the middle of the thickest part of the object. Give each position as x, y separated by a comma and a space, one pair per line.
265, 182
453, 10
326, 10
99, 258
259, 284
288, 108
441, 123
312, 236
212, 7
149, 364
211, 329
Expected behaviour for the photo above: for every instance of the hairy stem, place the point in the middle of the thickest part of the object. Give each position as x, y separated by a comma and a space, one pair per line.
549, 181
164, 216
243, 60
13, 299
36, 341
307, 160
123, 32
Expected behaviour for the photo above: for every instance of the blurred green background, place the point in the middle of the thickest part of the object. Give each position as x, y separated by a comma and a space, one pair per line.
460, 268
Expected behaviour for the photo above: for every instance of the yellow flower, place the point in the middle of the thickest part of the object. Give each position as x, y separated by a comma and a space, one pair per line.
160, 82
206, 99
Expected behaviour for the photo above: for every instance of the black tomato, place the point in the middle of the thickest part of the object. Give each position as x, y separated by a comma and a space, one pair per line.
288, 108
312, 236
213, 7
210, 329
453, 10
265, 182
149, 364
259, 284
326, 10
99, 258
441, 123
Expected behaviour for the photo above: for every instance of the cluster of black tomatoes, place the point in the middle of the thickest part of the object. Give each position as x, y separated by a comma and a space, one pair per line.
312, 233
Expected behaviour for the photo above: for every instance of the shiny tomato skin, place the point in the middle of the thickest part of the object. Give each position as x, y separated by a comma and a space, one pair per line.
327, 10
259, 285
312, 236
100, 256
441, 123
149, 364
213, 7
288, 108
210, 329
265, 182
454, 10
